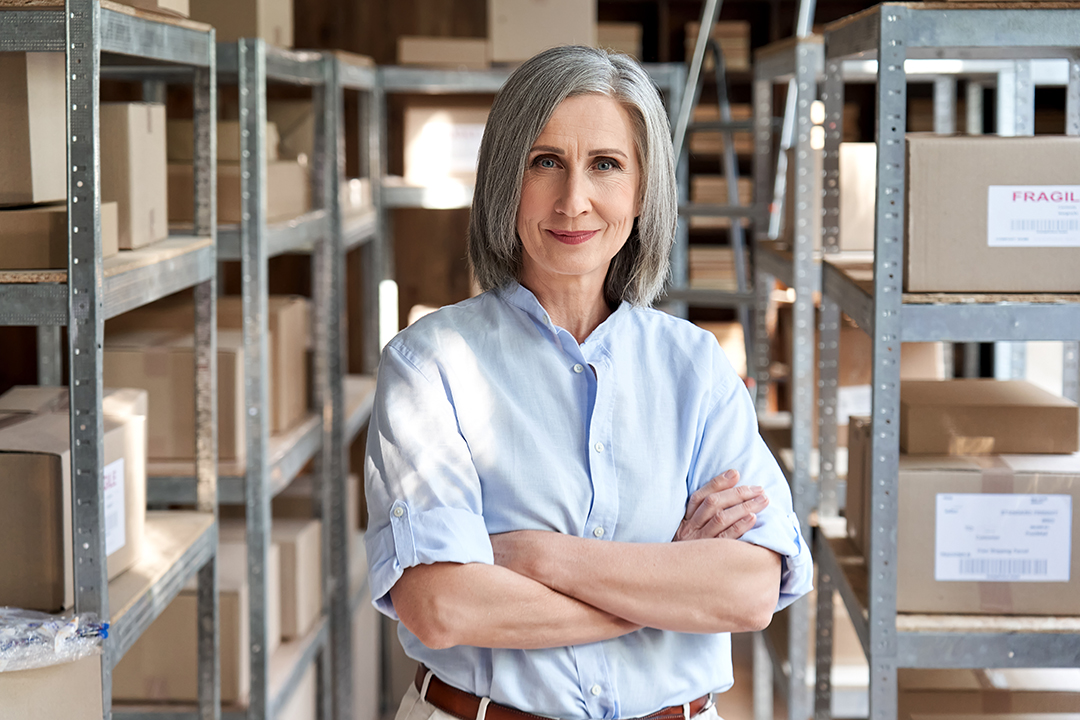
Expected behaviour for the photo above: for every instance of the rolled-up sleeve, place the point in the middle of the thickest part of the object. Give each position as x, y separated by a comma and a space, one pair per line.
730, 439
423, 494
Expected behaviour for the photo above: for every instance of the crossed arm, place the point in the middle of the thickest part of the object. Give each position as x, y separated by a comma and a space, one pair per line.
550, 590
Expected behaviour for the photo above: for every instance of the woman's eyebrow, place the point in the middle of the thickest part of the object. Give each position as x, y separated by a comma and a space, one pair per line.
547, 148
607, 151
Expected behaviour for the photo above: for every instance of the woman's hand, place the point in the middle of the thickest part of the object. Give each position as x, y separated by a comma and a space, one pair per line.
721, 509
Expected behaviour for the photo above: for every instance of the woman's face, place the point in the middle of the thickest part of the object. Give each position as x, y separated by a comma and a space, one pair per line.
580, 194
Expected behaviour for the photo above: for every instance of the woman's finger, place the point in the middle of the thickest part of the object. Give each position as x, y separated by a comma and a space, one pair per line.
717, 484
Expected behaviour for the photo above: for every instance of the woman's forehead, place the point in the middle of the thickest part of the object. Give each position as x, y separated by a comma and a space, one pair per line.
592, 121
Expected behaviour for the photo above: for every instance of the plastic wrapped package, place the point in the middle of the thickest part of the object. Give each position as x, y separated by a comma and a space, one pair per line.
31, 639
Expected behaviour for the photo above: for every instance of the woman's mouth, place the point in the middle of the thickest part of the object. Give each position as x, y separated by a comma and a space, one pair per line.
572, 237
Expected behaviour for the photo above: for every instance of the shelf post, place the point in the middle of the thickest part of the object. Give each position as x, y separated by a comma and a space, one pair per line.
251, 54
891, 98
206, 451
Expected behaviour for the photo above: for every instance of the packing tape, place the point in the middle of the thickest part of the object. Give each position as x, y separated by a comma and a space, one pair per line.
997, 479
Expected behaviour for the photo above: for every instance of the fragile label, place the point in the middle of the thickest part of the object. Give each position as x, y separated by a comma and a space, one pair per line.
852, 400
115, 533
1033, 216
1003, 538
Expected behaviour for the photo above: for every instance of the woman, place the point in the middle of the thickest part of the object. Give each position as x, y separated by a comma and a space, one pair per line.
533, 451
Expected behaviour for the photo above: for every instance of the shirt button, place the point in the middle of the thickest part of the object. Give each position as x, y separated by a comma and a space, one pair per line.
598, 532
398, 512
599, 447
579, 368
596, 690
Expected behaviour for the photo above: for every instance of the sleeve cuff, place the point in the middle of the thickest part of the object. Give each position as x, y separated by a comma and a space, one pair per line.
782, 536
437, 535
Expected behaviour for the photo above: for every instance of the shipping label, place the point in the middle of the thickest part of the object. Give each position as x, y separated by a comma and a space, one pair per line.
1033, 216
1002, 538
115, 533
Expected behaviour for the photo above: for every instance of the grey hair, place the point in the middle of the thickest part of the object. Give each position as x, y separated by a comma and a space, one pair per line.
518, 116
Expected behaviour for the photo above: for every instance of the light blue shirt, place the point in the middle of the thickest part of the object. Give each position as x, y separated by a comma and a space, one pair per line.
488, 418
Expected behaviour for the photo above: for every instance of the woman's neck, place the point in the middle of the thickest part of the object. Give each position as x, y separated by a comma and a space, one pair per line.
579, 308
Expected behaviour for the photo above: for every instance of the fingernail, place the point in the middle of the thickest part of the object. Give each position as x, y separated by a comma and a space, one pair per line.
757, 488
731, 474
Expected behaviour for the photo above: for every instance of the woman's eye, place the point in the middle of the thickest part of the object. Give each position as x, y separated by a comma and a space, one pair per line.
606, 165
546, 163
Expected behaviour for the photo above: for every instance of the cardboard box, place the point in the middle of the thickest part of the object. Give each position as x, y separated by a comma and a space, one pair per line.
858, 188
986, 693
301, 574
178, 8
181, 141
33, 123
1003, 541
449, 53
712, 190
713, 267
985, 417
711, 142
71, 691
36, 238
271, 20
988, 214
133, 170
443, 143
163, 663
288, 191
36, 570
519, 29
857, 505
232, 538
732, 340
733, 37
295, 501
623, 37
290, 336
162, 363
295, 121
918, 361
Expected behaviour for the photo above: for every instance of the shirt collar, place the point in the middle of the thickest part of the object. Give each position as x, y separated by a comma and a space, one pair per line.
523, 298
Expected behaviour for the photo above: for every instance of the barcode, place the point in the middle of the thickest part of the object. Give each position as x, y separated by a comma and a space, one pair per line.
1046, 226
1000, 568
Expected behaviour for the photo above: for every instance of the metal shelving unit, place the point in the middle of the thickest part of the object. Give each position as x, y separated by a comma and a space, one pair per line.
892, 34
179, 545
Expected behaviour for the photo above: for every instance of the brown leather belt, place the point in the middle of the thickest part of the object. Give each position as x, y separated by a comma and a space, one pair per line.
465, 705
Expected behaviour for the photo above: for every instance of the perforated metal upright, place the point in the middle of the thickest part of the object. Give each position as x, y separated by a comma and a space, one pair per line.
893, 33
90, 290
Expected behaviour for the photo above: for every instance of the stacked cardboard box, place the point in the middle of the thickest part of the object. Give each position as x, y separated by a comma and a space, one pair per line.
301, 574
36, 237
162, 362
858, 178
134, 170
711, 142
288, 181
712, 190
271, 20
623, 37
176, 8
153, 348
35, 492
70, 690
33, 125
1001, 694
162, 665
918, 361
733, 37
713, 267
1003, 540
519, 29
449, 53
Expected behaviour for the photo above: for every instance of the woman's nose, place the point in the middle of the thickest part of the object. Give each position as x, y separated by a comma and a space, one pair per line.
573, 197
